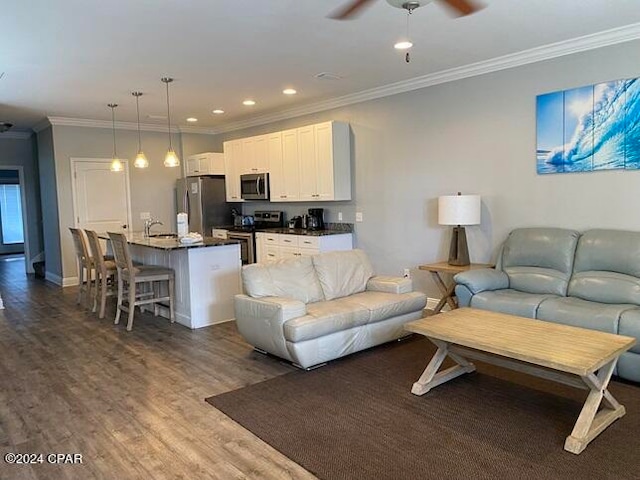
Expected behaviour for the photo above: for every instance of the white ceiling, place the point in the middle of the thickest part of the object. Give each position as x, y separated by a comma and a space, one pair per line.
69, 58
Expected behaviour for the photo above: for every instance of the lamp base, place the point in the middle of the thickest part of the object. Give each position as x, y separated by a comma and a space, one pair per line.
459, 250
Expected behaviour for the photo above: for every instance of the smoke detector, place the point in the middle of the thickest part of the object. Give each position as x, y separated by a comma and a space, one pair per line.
4, 126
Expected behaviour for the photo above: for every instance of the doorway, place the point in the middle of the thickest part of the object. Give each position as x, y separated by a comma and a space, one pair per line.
13, 215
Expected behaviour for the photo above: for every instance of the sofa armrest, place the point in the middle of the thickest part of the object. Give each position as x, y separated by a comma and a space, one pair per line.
482, 279
381, 283
261, 321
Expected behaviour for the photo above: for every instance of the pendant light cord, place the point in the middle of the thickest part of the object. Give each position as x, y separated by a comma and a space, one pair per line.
113, 123
168, 114
138, 111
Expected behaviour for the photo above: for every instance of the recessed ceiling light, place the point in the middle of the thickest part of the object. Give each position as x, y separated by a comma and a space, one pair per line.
217, 111
192, 119
249, 103
289, 91
403, 45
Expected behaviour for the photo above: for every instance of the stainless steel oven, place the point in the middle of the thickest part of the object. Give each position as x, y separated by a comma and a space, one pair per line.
254, 186
247, 245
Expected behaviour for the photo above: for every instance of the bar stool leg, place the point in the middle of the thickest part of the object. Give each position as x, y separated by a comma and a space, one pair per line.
103, 295
132, 303
81, 284
171, 296
120, 295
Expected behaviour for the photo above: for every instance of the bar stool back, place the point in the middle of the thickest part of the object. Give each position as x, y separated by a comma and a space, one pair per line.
85, 262
139, 274
105, 269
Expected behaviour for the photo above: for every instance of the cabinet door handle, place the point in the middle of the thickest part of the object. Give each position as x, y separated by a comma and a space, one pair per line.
306, 241
283, 196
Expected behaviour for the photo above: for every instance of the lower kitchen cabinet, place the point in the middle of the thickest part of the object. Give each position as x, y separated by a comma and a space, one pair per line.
278, 246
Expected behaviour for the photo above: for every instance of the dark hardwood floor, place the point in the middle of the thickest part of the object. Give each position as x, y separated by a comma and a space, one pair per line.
132, 403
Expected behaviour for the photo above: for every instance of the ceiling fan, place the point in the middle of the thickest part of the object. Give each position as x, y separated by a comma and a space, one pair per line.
353, 8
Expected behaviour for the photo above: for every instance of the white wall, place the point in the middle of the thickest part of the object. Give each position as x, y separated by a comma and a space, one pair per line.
476, 136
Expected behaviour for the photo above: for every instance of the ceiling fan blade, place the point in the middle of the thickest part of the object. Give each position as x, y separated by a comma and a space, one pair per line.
463, 7
350, 10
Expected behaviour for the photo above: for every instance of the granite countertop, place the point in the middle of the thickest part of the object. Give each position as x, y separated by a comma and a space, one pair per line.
303, 231
137, 238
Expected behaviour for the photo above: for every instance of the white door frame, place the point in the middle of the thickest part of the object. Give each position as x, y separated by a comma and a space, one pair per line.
125, 170
23, 201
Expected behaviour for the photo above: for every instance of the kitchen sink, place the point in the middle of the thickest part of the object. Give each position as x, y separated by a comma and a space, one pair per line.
163, 235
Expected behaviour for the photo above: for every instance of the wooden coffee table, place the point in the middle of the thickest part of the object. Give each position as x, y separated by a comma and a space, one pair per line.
574, 356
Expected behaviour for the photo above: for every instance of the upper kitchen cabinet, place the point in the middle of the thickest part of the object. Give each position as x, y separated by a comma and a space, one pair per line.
284, 166
254, 155
208, 163
232, 168
317, 160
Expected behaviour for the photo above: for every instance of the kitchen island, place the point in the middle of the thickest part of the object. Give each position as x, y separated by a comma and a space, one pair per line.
207, 275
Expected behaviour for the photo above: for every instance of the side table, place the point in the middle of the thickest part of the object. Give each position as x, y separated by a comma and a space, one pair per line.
441, 268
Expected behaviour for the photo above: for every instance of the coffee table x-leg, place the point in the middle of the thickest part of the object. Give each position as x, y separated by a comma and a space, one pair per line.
590, 423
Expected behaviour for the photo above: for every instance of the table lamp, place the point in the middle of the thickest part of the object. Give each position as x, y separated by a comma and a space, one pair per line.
459, 210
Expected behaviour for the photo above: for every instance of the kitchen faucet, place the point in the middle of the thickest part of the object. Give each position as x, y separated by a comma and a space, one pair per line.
148, 223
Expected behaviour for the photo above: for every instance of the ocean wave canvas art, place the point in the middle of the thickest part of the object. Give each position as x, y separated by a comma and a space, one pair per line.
589, 128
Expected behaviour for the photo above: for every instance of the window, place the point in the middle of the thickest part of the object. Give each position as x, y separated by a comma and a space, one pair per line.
11, 214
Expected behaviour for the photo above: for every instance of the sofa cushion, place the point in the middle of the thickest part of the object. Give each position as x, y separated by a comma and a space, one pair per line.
607, 267
629, 325
583, 313
326, 317
292, 278
342, 273
510, 301
383, 305
539, 260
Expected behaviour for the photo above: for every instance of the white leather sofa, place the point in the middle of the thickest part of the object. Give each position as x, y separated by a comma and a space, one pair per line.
310, 310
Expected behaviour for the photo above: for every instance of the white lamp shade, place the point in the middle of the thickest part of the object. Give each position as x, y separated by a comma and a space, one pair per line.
459, 210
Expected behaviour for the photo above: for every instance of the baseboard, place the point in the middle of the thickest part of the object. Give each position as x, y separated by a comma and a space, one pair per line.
53, 278
58, 280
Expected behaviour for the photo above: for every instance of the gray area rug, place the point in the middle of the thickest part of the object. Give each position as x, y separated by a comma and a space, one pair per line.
356, 419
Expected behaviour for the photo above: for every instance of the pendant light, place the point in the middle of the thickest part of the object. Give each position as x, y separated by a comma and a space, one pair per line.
141, 159
171, 158
116, 164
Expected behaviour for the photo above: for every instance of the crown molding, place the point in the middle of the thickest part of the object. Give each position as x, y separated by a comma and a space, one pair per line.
533, 55
15, 135
91, 123
40, 126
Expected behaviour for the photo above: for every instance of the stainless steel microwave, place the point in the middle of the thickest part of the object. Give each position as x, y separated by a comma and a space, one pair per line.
254, 186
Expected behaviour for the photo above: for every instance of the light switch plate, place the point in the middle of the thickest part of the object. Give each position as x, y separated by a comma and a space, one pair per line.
359, 217
339, 216
145, 215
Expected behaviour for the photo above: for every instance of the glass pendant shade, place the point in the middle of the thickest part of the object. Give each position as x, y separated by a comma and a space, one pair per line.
116, 165
141, 160
171, 159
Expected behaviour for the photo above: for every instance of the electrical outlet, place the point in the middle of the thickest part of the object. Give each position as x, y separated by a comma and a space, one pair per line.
145, 215
339, 216
407, 273
359, 217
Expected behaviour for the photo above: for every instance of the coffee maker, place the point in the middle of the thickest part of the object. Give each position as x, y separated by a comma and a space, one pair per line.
316, 220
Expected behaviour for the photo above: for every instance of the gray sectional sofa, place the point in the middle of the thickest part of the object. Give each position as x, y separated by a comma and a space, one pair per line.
589, 280
310, 310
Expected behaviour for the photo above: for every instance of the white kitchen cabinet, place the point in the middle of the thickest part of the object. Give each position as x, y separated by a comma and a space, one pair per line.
284, 167
271, 247
208, 163
254, 155
232, 168
316, 164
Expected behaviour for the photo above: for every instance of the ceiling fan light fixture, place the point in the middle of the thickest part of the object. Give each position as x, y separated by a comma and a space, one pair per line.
403, 45
171, 159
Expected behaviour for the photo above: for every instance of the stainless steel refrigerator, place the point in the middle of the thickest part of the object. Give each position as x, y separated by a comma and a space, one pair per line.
204, 200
